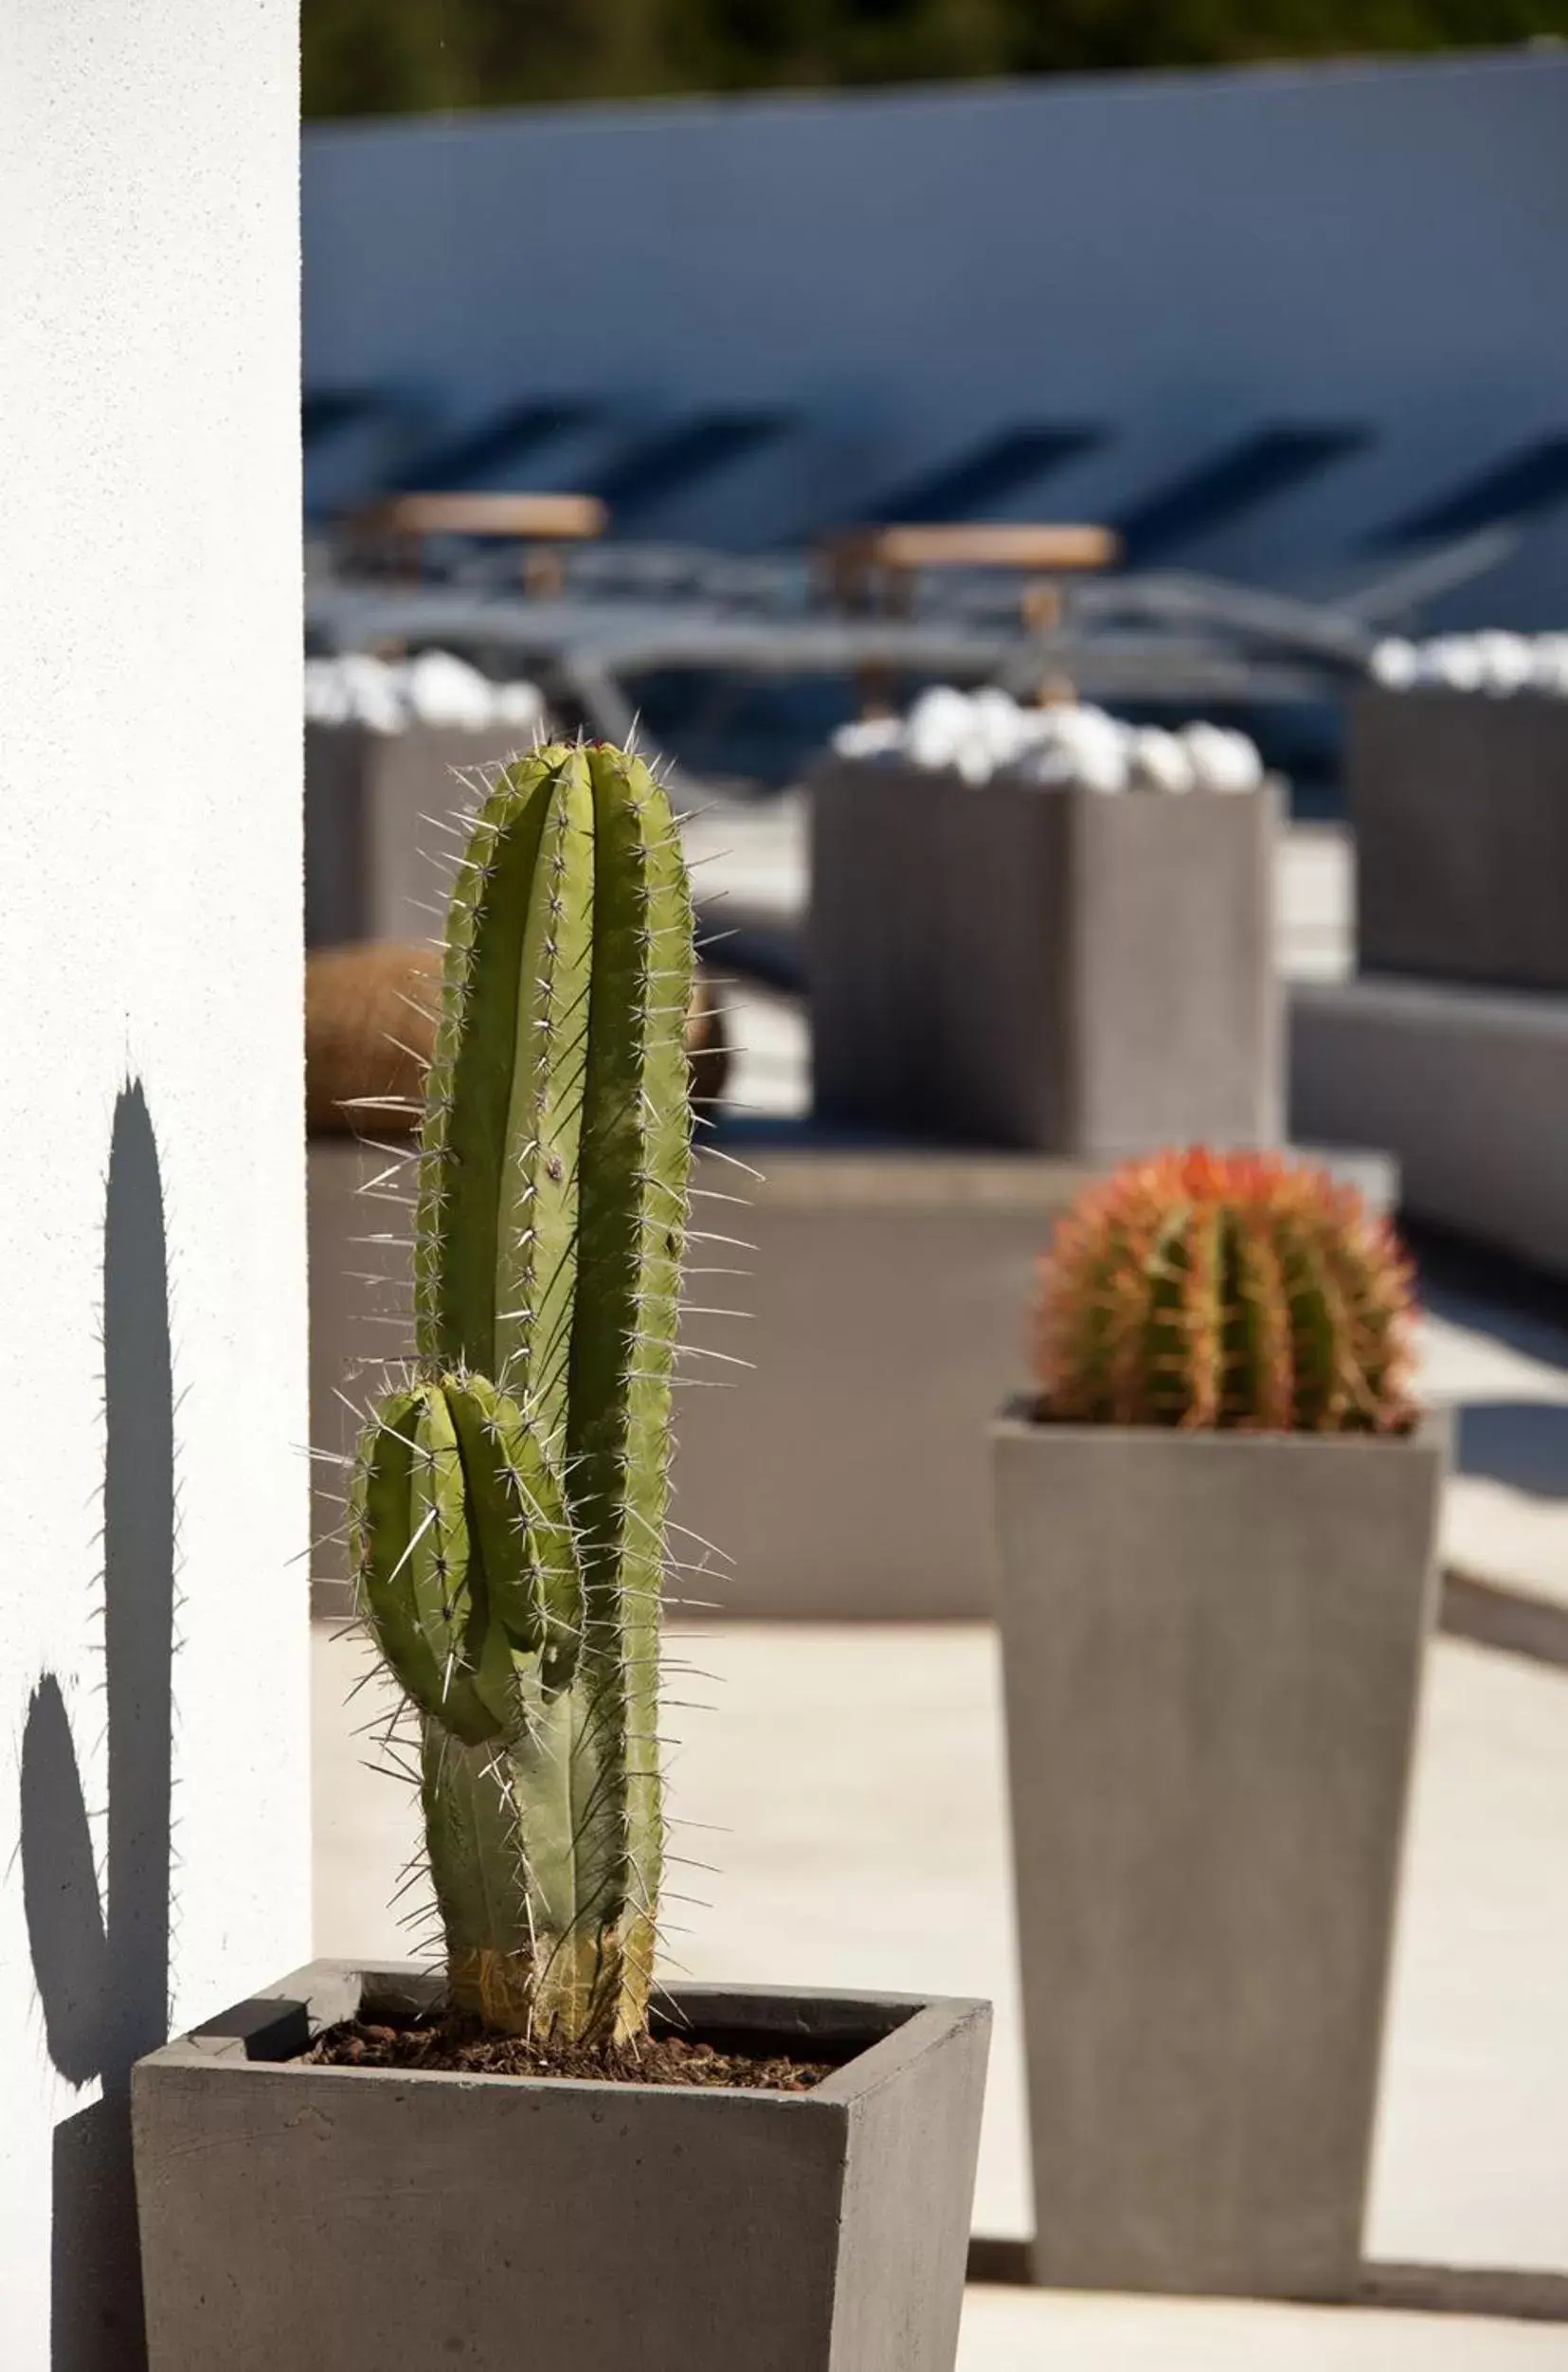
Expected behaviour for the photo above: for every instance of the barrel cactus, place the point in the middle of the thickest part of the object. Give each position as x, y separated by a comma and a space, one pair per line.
508, 1509
1203, 1290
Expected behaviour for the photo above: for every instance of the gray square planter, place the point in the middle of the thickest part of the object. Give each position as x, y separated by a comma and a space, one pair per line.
1212, 1646
1470, 1086
373, 2220
1044, 967
1460, 804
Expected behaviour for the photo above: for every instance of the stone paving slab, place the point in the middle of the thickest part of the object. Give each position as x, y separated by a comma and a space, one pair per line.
1022, 2330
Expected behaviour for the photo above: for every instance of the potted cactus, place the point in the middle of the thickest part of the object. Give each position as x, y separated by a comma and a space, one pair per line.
1218, 1516
533, 2147
1043, 965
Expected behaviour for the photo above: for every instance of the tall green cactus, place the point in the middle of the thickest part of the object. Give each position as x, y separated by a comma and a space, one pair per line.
508, 1504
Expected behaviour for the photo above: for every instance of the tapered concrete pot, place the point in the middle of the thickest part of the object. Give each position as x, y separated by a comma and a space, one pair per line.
1213, 1651
1043, 967
385, 2221
1460, 807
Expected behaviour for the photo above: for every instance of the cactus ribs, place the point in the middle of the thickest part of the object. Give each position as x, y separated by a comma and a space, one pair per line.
1207, 1290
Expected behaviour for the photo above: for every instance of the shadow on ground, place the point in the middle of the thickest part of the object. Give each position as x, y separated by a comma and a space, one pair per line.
1521, 1442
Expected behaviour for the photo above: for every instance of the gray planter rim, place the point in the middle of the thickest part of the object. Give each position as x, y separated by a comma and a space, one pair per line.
1433, 1427
1012, 777
269, 2032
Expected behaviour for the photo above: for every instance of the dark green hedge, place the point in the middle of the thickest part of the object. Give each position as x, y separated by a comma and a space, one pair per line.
374, 57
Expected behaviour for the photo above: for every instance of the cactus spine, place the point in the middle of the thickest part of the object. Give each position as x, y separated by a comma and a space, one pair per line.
508, 1504
1206, 1290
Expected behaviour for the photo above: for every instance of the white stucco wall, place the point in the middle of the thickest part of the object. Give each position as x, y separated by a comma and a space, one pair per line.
149, 929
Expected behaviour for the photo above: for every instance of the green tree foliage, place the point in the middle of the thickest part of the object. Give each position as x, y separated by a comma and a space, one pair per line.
383, 57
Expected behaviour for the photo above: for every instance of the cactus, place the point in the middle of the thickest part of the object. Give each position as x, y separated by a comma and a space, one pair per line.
1206, 1290
508, 1509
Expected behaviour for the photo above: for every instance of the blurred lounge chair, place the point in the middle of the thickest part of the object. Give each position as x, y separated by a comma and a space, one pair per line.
1448, 539
392, 537
671, 461
1516, 491
323, 411
480, 456
377, 425
1257, 468
980, 477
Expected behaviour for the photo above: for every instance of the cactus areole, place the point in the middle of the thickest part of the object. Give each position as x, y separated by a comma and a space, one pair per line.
508, 1509
1226, 1289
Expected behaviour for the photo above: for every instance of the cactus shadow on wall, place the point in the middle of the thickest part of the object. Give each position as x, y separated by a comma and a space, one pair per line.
102, 1968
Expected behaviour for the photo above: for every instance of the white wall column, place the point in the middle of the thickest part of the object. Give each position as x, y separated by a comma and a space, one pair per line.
153, 1808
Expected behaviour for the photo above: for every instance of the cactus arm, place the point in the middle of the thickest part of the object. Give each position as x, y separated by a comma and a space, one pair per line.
437, 1546
410, 1556
523, 1540
556, 1578
496, 1217
477, 1683
380, 1511
519, 1813
536, 1280
468, 1087
497, 1723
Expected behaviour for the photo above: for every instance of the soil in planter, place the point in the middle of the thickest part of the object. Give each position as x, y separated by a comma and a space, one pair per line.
448, 2043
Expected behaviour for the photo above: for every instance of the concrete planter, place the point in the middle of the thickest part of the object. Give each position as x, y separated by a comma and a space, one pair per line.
1212, 1650
383, 2221
1460, 804
1047, 969
368, 869
1405, 1057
